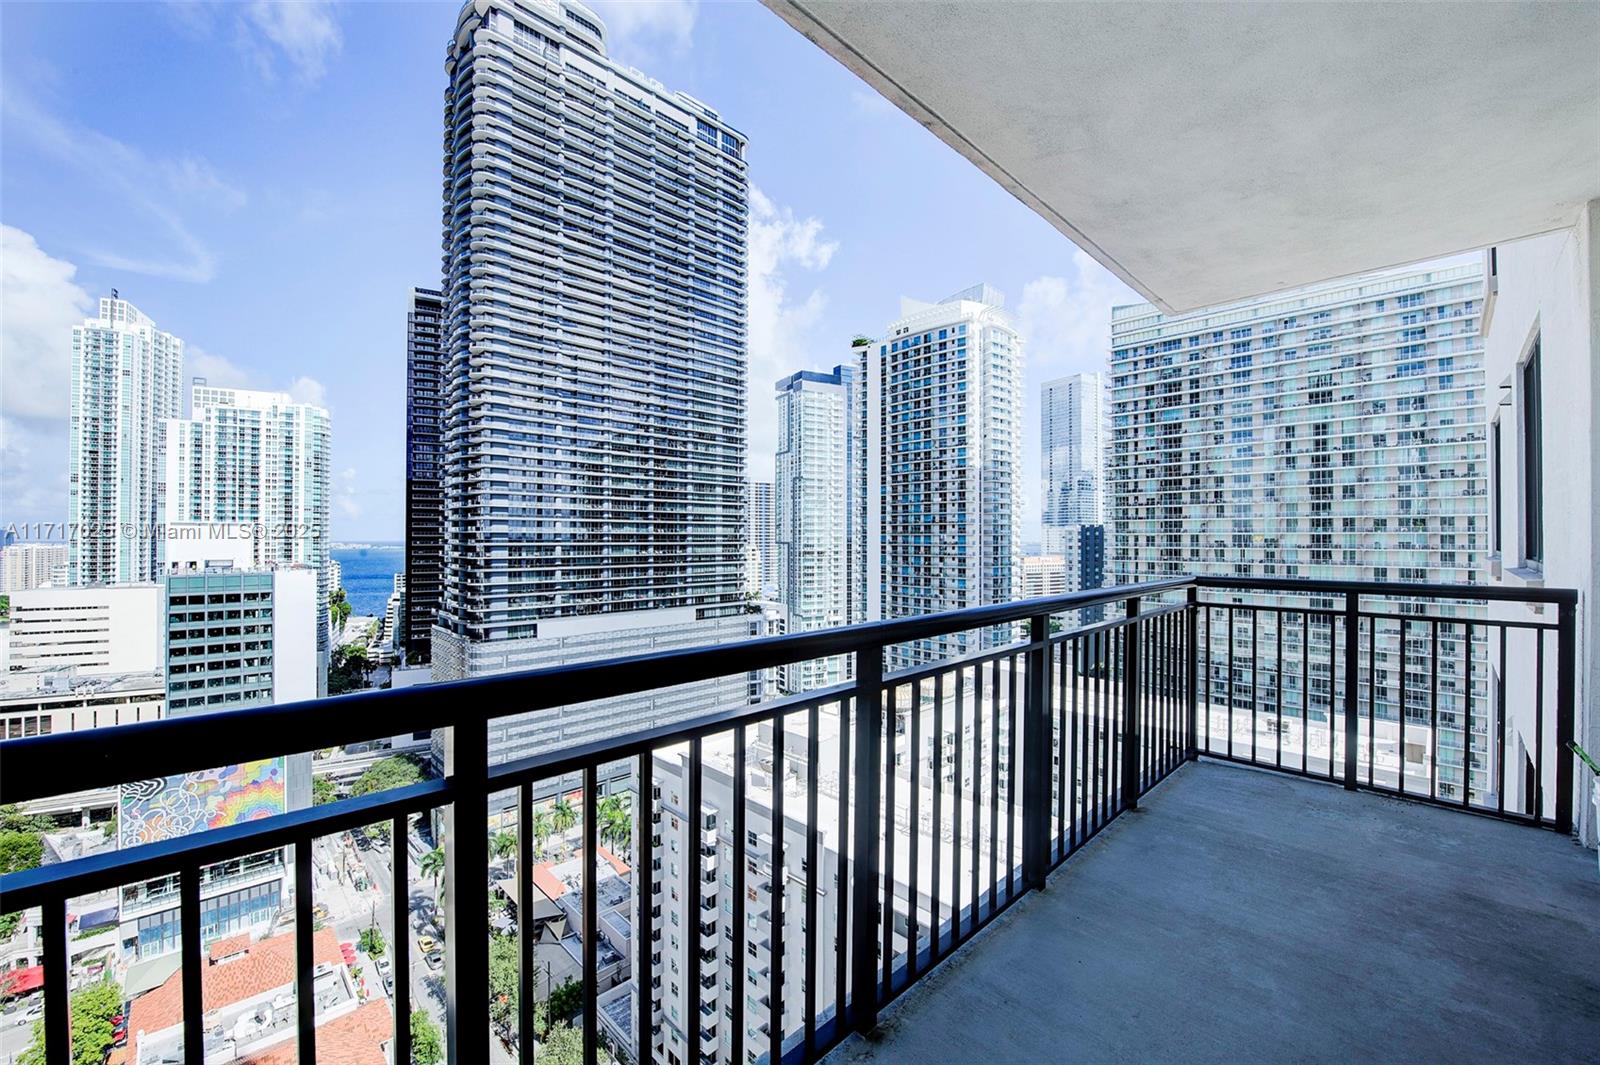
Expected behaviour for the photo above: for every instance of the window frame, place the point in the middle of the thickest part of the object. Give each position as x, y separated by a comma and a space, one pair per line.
1530, 406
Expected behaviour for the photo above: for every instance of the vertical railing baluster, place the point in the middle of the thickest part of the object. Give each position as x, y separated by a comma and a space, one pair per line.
741, 861
1500, 724
1071, 672
694, 824
977, 795
935, 904
527, 937
1190, 668
1130, 708
1255, 683
1058, 720
1015, 768
1538, 725
995, 698
891, 815
1466, 732
1305, 692
1352, 681
1333, 688
913, 833
1403, 688
591, 925
867, 832
779, 895
644, 886
1036, 750
843, 950
305, 961
1433, 714
1372, 698
813, 883
957, 793
1277, 681
1230, 681
194, 960
466, 842
1566, 709
400, 919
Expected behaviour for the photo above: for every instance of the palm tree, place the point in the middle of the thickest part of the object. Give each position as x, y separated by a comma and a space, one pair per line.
616, 827
432, 865
503, 844
564, 816
541, 830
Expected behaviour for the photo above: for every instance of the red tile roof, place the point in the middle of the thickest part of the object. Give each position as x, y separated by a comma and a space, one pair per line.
616, 863
265, 965
354, 1038
548, 882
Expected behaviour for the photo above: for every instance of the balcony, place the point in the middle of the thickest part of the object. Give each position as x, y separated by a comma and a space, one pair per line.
1245, 916
1269, 896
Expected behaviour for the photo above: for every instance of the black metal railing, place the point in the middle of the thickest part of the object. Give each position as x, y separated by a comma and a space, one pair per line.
858, 834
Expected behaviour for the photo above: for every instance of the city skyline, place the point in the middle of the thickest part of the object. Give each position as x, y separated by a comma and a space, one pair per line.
216, 221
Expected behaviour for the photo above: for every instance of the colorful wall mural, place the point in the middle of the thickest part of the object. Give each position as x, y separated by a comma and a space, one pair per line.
154, 810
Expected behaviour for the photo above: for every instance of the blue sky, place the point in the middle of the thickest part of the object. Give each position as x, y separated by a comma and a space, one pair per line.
263, 179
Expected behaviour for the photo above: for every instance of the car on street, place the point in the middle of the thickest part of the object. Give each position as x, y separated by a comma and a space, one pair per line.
427, 944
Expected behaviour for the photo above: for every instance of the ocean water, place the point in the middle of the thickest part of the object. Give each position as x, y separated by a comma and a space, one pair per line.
369, 574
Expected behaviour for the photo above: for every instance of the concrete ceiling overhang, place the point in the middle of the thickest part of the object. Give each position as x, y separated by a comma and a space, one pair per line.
1210, 152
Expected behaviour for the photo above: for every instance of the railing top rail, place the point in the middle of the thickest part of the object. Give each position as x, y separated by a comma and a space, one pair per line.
1394, 589
34, 767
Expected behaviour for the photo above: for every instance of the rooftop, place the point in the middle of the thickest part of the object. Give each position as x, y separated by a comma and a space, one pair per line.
1241, 916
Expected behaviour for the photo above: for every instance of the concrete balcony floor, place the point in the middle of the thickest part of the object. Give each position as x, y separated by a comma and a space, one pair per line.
1244, 916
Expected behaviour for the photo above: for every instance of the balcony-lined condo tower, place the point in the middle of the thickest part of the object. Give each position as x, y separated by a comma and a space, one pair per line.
593, 436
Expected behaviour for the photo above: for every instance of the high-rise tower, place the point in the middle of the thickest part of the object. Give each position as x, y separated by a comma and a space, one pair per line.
424, 494
593, 431
126, 382
945, 449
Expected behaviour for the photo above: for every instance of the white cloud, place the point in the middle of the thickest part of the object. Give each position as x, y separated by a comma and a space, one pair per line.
224, 373
1066, 321
216, 369
308, 390
33, 469
780, 325
39, 304
344, 493
637, 24
302, 33
165, 191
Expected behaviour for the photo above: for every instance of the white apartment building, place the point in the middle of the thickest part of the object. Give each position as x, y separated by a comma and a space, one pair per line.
1072, 436
1332, 432
1044, 575
126, 378
594, 395
104, 630
944, 458
1541, 338
819, 508
760, 561
32, 565
248, 482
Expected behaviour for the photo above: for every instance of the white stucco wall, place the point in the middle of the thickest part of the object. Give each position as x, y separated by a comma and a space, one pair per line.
1547, 287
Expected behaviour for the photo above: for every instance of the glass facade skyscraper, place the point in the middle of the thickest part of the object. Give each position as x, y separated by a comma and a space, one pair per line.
593, 437
424, 492
126, 382
1334, 432
945, 450
1072, 458
819, 506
